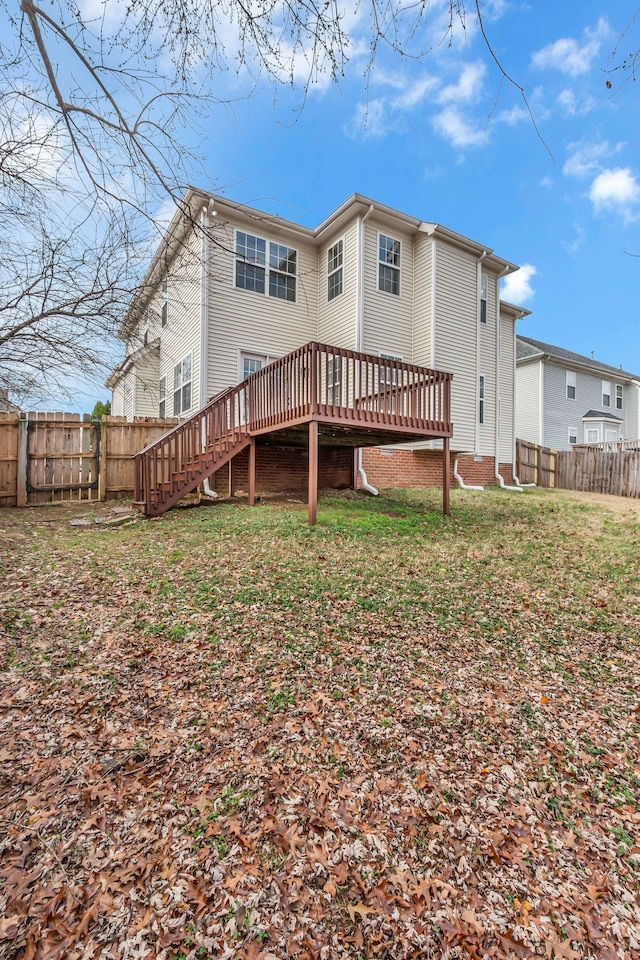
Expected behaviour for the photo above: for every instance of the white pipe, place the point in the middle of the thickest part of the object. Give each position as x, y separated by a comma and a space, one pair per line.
496, 461
461, 483
365, 483
208, 492
521, 484
504, 486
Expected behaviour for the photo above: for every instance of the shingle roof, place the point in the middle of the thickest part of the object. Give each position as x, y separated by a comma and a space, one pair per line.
600, 415
526, 347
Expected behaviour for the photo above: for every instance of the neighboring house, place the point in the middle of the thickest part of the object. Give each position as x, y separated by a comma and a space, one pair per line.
6, 405
564, 398
232, 288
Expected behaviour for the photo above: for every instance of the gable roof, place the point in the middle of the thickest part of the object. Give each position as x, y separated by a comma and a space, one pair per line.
599, 415
528, 349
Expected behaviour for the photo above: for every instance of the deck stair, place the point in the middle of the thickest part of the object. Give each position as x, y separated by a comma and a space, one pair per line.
317, 394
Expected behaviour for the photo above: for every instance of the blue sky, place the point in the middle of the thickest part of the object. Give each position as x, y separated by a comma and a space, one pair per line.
446, 138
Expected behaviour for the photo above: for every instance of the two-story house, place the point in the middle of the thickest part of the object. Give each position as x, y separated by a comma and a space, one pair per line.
231, 288
564, 398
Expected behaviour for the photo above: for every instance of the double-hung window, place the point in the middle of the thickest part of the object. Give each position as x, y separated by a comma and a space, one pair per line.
619, 394
606, 393
162, 406
483, 298
334, 380
388, 264
275, 274
573, 435
571, 385
164, 309
182, 386
335, 256
481, 399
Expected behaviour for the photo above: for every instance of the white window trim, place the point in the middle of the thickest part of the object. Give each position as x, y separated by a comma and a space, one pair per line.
384, 263
388, 356
162, 397
183, 384
266, 359
482, 399
606, 392
571, 375
484, 296
572, 432
619, 387
589, 430
267, 268
339, 269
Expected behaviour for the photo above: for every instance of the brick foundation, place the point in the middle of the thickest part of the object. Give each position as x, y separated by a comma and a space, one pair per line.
286, 468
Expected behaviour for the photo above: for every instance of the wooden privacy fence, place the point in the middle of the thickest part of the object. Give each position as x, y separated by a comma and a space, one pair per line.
598, 470
57, 457
536, 464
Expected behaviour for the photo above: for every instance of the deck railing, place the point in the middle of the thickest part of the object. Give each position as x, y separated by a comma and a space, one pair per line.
315, 382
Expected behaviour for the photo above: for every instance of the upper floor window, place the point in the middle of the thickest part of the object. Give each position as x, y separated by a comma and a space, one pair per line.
334, 270
481, 400
388, 265
606, 393
162, 406
619, 396
483, 298
164, 309
571, 385
334, 380
182, 386
252, 267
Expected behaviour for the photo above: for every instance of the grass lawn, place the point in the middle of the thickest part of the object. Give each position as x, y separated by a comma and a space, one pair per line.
224, 734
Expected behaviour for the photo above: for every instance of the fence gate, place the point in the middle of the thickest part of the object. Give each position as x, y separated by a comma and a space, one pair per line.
536, 464
62, 457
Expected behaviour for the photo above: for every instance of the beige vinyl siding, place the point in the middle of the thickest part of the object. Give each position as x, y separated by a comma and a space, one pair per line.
128, 394
147, 380
528, 400
506, 389
241, 320
423, 306
488, 366
388, 319
337, 318
456, 324
117, 399
181, 336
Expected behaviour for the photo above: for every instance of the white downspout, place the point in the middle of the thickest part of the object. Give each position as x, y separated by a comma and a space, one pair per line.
461, 483
478, 293
496, 461
369, 488
207, 211
515, 343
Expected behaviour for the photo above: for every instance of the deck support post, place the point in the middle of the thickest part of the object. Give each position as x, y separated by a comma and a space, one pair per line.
252, 471
313, 472
446, 477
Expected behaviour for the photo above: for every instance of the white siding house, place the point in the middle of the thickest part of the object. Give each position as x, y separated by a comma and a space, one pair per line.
564, 398
232, 288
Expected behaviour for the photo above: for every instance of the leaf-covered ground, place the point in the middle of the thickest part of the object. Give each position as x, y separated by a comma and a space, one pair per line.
223, 734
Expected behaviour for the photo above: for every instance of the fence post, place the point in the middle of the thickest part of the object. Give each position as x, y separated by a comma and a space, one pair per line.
103, 429
23, 439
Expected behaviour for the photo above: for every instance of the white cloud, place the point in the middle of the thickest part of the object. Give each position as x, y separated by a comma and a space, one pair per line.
415, 93
516, 288
586, 158
452, 126
579, 240
618, 190
573, 106
468, 87
571, 56
371, 119
546, 182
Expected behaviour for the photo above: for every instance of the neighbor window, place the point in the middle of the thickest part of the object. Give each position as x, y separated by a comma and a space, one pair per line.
251, 365
481, 400
164, 310
182, 386
606, 393
571, 385
573, 435
334, 270
618, 396
252, 267
592, 435
388, 265
162, 406
483, 298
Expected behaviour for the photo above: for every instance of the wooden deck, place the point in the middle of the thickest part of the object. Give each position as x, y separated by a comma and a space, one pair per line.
317, 395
